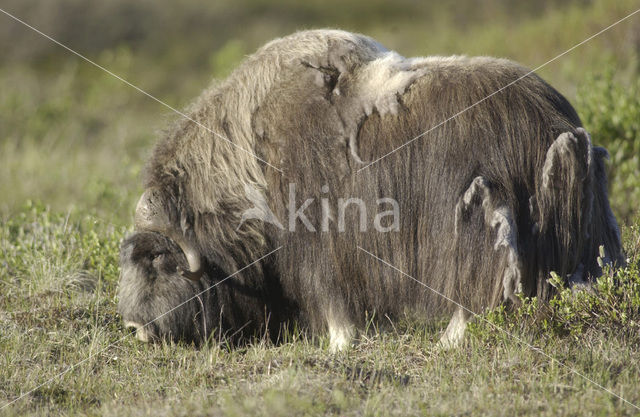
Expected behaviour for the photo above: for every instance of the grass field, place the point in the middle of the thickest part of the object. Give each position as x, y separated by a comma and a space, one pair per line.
73, 141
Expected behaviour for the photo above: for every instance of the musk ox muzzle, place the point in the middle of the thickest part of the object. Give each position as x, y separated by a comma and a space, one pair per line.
489, 203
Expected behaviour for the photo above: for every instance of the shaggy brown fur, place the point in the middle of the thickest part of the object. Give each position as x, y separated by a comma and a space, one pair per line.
490, 202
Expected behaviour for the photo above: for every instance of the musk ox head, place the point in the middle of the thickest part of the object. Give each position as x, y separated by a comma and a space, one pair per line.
155, 299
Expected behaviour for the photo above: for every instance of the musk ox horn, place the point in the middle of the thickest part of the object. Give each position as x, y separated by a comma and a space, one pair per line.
152, 216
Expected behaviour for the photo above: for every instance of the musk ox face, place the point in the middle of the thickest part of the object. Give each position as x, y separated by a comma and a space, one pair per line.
489, 202
154, 298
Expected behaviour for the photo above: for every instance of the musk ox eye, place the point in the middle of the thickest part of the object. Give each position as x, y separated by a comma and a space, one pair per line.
165, 263
158, 260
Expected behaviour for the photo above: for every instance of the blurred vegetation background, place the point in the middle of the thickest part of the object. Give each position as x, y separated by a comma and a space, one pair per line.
75, 138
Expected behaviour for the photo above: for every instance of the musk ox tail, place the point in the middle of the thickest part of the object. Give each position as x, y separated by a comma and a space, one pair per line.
571, 214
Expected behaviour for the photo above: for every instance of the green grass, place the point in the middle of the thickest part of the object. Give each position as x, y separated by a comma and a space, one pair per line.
58, 277
73, 141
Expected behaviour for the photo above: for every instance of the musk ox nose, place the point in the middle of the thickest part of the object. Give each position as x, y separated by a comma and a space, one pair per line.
141, 332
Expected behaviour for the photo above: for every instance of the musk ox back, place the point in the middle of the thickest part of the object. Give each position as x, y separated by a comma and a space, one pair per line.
296, 155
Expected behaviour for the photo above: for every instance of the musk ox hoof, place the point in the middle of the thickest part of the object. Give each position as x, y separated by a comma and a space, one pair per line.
340, 337
454, 334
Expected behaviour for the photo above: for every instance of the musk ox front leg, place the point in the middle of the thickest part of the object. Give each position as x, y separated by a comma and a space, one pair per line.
488, 262
324, 302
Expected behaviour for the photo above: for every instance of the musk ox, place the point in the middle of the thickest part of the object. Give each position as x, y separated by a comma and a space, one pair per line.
283, 158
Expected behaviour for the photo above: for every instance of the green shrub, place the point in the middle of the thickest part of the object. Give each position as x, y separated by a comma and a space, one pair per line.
611, 305
610, 111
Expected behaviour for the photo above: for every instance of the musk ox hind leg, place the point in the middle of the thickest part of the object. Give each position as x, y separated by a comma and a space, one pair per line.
151, 292
488, 262
572, 214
